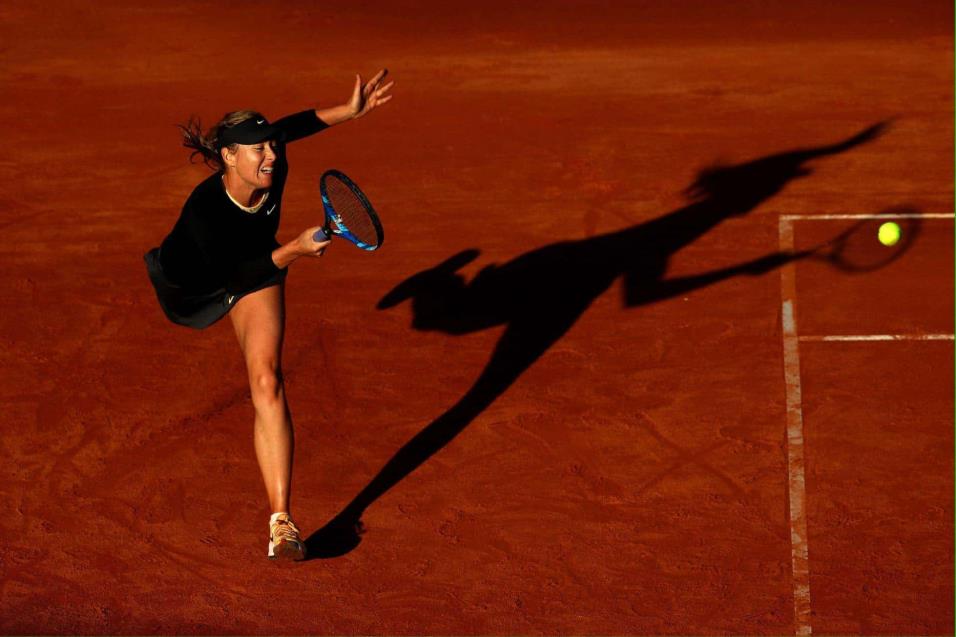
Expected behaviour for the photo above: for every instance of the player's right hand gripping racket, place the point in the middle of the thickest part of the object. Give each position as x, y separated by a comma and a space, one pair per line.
348, 213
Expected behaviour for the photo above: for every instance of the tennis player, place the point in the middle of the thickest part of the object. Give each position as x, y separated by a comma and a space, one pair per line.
222, 257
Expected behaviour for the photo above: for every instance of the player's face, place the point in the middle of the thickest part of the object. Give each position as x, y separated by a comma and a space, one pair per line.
254, 163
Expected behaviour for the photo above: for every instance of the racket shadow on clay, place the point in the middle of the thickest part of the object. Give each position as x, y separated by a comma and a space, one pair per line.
856, 249
538, 296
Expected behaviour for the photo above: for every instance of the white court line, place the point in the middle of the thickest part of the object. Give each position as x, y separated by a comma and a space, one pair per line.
799, 554
887, 215
879, 337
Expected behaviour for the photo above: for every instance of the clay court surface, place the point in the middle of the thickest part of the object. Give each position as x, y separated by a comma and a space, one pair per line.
628, 463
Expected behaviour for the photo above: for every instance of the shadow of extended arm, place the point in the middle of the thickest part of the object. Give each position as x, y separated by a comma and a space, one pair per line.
637, 293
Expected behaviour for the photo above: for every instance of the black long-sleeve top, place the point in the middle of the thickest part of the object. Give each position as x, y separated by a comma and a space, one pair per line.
215, 244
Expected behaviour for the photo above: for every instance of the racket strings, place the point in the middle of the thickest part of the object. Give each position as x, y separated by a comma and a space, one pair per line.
353, 212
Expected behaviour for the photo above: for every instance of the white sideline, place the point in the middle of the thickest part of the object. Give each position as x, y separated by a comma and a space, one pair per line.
799, 553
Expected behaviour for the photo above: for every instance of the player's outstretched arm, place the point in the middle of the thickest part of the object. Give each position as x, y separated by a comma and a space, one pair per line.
365, 98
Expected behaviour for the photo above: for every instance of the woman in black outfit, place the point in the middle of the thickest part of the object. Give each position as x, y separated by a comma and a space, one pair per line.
222, 258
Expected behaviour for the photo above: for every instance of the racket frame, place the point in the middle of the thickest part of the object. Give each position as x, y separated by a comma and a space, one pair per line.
340, 228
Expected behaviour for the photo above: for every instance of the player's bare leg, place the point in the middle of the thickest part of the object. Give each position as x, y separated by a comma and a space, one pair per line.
258, 320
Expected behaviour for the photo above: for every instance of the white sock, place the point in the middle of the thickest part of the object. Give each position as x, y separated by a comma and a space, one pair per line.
272, 520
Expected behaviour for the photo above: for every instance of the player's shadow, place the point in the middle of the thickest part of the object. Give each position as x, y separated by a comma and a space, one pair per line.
539, 295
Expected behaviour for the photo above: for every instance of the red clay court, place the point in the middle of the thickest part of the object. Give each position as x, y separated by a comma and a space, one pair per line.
614, 430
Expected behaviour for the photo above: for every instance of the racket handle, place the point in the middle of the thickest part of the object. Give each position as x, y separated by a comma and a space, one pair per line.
320, 236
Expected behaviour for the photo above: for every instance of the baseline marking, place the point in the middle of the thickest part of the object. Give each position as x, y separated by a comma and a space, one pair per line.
878, 337
799, 554
886, 215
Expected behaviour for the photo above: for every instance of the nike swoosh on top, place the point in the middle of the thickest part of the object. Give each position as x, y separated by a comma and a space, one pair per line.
260, 121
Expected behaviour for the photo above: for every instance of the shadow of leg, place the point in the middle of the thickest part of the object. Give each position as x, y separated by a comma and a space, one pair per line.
522, 343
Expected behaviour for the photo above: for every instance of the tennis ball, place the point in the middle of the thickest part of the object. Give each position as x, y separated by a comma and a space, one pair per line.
889, 233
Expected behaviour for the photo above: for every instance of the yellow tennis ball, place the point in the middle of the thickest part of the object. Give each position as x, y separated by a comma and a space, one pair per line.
889, 233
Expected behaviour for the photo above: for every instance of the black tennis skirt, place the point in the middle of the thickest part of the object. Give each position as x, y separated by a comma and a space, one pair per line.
192, 309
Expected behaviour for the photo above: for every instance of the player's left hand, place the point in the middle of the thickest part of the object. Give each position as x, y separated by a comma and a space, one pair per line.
370, 95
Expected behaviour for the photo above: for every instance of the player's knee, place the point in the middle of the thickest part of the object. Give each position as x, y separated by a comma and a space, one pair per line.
266, 385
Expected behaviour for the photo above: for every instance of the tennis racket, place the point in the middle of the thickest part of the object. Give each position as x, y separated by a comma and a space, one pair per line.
857, 248
348, 213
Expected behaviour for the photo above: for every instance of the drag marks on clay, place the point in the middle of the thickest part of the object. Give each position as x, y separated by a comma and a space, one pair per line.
20, 588
66, 409
64, 467
163, 499
95, 468
324, 345
526, 426
189, 560
123, 520
684, 457
177, 434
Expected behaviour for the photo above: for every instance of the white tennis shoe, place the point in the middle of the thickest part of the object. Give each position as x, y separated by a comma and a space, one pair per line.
285, 543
